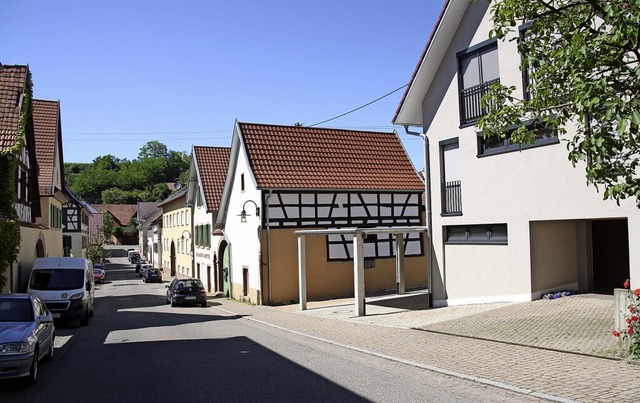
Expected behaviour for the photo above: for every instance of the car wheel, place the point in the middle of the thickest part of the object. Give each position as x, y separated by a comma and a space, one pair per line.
85, 319
49, 355
33, 372
204, 304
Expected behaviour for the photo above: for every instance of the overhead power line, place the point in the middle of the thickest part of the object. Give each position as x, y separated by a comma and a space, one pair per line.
360, 107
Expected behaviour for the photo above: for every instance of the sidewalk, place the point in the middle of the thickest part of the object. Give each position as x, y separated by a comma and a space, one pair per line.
558, 350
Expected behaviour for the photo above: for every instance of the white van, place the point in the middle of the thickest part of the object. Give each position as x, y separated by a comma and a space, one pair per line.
66, 286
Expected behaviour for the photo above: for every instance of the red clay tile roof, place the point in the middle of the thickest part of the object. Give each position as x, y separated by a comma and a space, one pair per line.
45, 127
122, 212
297, 157
12, 86
213, 163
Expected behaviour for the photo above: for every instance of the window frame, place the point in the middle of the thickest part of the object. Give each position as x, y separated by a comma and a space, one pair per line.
470, 234
508, 147
473, 51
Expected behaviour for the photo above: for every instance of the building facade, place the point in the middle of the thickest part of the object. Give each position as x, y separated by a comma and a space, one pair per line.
509, 224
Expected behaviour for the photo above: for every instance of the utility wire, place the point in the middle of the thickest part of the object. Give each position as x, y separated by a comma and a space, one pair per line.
360, 107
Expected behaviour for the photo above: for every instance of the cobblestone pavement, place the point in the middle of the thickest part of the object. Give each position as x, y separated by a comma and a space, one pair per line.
551, 349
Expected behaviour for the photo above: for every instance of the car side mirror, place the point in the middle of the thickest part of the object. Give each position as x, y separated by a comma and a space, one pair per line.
46, 318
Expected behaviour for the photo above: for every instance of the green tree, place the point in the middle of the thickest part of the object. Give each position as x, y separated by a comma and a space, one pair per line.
153, 149
96, 253
119, 196
583, 63
107, 226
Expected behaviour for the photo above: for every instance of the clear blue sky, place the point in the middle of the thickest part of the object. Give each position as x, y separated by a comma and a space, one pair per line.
181, 72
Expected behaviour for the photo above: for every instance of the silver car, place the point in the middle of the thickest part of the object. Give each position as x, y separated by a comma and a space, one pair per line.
27, 334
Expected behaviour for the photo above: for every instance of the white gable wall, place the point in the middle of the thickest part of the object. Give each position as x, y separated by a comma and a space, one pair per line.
243, 238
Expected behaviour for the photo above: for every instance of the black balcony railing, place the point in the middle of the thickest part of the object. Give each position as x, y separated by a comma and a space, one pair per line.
471, 109
452, 198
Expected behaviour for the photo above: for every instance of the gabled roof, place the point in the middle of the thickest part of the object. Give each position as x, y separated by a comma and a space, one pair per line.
145, 209
298, 157
46, 122
182, 192
212, 164
13, 80
409, 111
121, 212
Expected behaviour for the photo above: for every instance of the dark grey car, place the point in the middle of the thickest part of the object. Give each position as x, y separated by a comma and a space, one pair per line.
27, 335
186, 291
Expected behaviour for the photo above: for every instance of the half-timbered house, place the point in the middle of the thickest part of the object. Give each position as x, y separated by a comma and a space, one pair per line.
75, 225
17, 151
287, 178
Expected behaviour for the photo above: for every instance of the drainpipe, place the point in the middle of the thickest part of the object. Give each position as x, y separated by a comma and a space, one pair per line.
266, 217
427, 196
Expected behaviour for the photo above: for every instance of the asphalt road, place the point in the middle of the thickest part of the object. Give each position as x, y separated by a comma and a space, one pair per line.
139, 349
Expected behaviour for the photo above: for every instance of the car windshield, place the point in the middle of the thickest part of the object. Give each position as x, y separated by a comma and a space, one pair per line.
190, 283
15, 310
57, 279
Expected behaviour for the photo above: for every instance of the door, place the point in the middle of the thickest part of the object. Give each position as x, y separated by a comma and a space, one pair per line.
226, 272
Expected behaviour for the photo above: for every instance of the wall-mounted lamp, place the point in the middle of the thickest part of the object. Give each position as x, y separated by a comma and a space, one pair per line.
188, 234
243, 214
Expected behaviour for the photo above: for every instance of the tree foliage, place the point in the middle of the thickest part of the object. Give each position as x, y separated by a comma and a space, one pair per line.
110, 180
583, 62
96, 253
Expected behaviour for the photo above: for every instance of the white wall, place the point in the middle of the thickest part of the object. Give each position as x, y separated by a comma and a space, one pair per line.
538, 184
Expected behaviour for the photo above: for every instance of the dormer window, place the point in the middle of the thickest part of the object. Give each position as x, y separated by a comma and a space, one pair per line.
477, 70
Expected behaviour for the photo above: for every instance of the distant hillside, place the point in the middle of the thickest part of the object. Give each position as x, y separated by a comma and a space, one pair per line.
110, 180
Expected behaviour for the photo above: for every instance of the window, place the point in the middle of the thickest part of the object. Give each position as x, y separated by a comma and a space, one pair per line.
477, 70
494, 145
477, 234
242, 182
451, 185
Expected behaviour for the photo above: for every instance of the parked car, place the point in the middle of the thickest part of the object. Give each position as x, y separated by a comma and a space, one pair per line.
134, 257
152, 276
143, 267
139, 265
66, 285
186, 291
27, 334
129, 252
99, 275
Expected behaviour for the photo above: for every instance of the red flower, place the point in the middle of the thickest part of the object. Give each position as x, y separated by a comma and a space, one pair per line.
637, 292
630, 330
628, 321
632, 309
634, 318
616, 333
626, 284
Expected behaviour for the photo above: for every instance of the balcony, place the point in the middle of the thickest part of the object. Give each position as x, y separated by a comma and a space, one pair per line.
471, 109
452, 198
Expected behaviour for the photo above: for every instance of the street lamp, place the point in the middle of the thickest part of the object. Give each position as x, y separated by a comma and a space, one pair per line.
243, 214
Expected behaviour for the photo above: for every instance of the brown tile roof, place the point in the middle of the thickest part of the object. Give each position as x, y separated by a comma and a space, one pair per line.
45, 128
145, 209
12, 86
297, 157
121, 212
213, 163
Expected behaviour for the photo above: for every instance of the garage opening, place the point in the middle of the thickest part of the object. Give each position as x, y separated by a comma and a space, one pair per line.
610, 239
